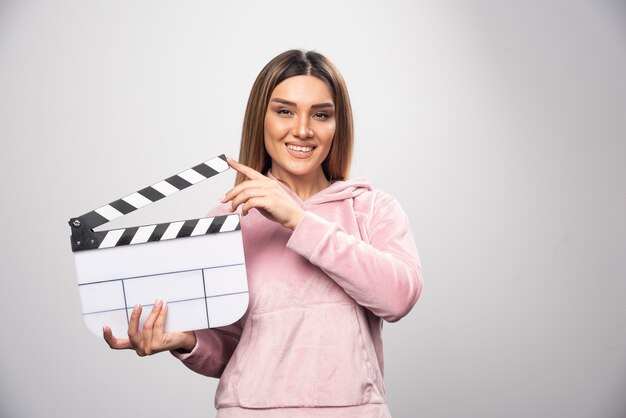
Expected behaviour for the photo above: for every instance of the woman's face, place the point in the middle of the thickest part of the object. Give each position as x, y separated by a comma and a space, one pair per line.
299, 128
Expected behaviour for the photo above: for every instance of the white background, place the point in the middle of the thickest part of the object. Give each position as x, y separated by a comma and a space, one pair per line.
499, 125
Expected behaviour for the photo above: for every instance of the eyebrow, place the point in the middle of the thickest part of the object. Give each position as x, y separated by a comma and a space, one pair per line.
315, 106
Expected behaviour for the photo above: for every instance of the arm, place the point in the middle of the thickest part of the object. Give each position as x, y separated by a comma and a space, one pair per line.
382, 272
212, 351
204, 351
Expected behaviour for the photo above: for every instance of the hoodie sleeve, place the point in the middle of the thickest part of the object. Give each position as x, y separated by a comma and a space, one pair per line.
213, 350
381, 271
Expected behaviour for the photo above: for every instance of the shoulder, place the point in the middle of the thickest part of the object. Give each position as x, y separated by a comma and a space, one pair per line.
375, 201
380, 216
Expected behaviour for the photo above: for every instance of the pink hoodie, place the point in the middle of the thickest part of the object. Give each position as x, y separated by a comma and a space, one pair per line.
310, 343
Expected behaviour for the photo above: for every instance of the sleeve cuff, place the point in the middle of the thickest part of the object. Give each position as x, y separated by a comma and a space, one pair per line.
188, 356
308, 235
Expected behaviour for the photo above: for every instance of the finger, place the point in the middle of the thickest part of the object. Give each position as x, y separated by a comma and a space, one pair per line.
148, 325
244, 169
159, 324
246, 195
113, 342
133, 326
256, 203
248, 184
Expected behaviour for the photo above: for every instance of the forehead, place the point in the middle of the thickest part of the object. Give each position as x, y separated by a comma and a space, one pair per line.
304, 89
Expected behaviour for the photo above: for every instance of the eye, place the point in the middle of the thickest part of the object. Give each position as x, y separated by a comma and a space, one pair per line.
321, 115
283, 111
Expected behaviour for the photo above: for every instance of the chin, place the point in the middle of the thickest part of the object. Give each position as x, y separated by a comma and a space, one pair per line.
299, 169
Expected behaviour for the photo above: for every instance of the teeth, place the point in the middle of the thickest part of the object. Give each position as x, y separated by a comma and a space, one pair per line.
298, 148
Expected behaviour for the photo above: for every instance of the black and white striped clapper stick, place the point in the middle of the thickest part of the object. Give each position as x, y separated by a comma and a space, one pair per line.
196, 266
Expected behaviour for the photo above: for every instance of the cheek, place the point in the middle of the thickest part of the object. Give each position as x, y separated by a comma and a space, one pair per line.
329, 133
267, 127
272, 136
275, 129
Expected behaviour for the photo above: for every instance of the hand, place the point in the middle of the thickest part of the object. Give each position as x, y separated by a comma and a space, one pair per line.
153, 339
265, 195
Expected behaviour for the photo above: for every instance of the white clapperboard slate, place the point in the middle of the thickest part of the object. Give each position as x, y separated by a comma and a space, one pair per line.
196, 266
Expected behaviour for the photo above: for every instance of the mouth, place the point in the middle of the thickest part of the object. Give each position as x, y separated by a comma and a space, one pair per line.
301, 152
299, 148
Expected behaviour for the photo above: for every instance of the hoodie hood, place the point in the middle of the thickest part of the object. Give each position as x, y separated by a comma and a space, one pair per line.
338, 190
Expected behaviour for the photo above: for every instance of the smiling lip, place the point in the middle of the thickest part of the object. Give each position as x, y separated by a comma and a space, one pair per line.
299, 151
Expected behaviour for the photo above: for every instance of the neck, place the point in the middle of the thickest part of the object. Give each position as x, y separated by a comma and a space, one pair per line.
304, 186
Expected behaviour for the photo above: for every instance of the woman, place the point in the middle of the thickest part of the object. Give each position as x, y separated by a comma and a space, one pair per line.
328, 260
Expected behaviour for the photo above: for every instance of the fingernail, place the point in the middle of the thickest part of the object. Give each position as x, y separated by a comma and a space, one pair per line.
158, 302
136, 307
222, 199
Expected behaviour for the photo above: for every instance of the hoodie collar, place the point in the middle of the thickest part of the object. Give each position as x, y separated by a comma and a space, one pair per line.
338, 190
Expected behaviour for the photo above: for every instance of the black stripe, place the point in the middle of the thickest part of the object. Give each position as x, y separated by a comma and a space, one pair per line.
123, 206
205, 170
93, 219
187, 228
151, 194
238, 227
127, 236
178, 182
158, 232
223, 157
216, 224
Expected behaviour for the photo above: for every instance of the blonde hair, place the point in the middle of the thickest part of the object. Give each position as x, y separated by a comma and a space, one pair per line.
292, 63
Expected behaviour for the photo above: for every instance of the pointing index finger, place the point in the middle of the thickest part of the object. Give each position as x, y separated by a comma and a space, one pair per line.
251, 173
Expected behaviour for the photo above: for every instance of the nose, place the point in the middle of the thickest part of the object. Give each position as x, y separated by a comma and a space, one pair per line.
302, 128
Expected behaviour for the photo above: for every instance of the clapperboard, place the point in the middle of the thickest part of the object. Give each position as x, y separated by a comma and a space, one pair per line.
197, 266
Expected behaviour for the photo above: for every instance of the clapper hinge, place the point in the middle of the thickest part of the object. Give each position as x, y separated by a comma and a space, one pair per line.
83, 236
